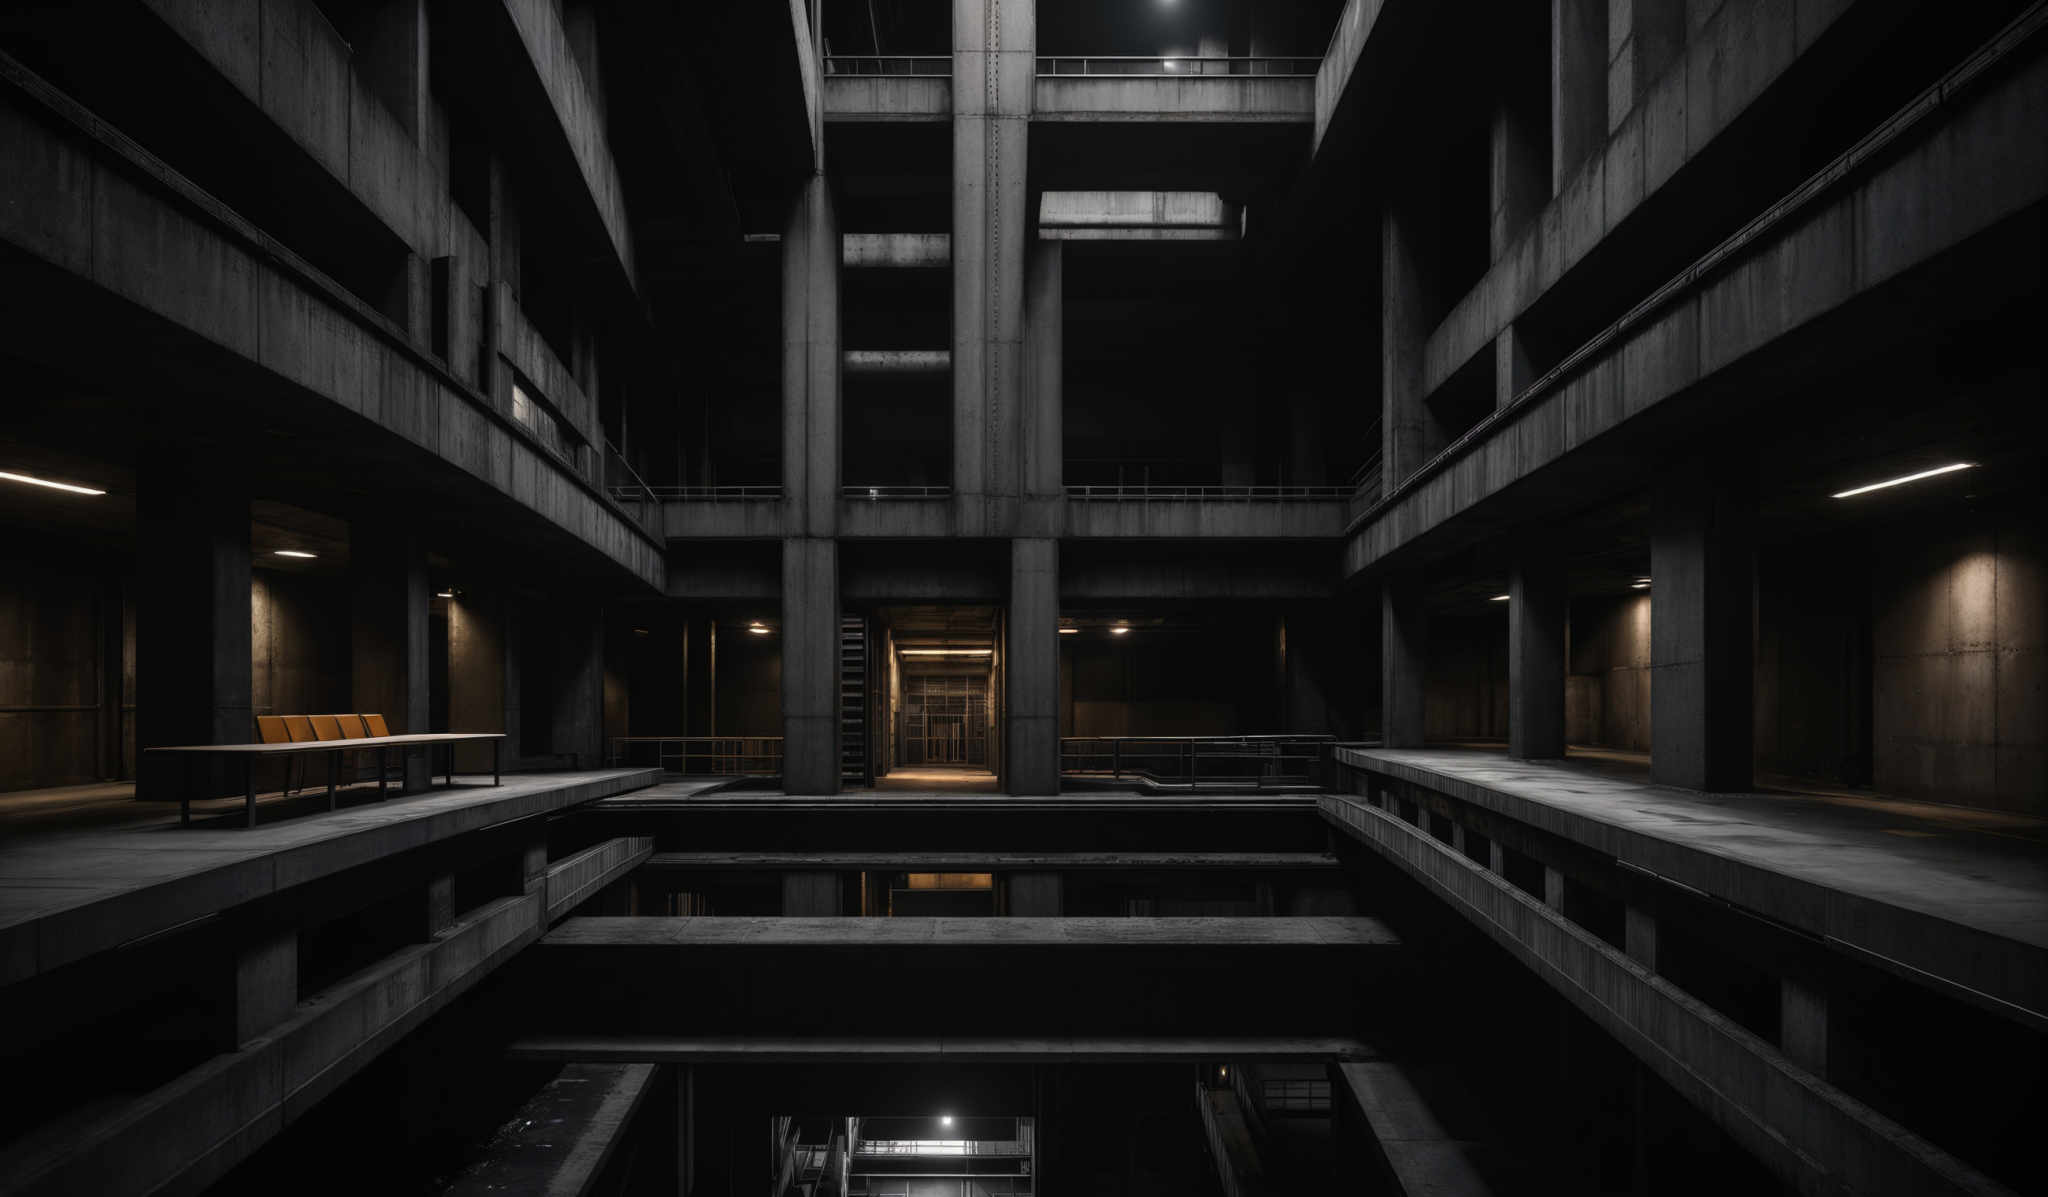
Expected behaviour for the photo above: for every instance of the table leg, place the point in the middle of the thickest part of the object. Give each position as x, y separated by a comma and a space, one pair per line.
451, 765
185, 795
382, 767
249, 783
497, 762
333, 767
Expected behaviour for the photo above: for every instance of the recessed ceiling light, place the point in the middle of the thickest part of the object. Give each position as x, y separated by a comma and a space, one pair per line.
444, 594
1500, 598
948, 652
1070, 631
1641, 584
758, 629
32, 480
294, 553
1122, 629
1935, 472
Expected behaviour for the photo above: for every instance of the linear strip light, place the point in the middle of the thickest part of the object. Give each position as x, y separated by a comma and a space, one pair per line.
1938, 470
948, 652
301, 553
32, 480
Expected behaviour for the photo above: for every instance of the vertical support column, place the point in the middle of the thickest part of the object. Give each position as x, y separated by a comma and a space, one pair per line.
1044, 445
266, 982
1644, 38
1403, 326
686, 1130
1033, 895
810, 666
1538, 595
1700, 626
1031, 673
579, 701
388, 635
512, 631
1578, 85
1803, 1023
812, 895
1518, 170
994, 64
1639, 935
811, 361
193, 668
1404, 658
476, 674
440, 904
1553, 888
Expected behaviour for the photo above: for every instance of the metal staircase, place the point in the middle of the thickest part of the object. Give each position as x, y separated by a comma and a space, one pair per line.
853, 701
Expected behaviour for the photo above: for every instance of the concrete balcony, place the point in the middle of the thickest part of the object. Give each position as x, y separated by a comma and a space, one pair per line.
1210, 512
1235, 91
890, 88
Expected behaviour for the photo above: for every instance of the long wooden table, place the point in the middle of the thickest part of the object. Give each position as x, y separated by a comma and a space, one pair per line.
381, 745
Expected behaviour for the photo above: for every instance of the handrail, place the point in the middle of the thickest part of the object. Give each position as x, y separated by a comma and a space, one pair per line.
1206, 65
889, 64
751, 490
1151, 490
895, 492
715, 756
1257, 761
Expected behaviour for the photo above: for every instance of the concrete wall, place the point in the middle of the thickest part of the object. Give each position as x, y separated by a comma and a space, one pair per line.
1171, 682
1607, 692
51, 647
1466, 695
1961, 676
298, 644
1813, 654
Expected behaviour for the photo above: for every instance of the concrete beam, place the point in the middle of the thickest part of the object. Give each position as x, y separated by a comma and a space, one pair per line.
902, 251
869, 99
1424, 1158
1812, 1135
1174, 99
949, 1049
559, 1142
895, 363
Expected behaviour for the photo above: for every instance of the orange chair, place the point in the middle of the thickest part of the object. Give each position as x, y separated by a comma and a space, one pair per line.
270, 729
352, 727
300, 729
376, 725
326, 727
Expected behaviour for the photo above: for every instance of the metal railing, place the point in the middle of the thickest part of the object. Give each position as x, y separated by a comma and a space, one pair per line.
707, 756
1256, 762
1013, 1148
659, 494
895, 492
890, 64
1209, 493
1252, 66
1304, 1096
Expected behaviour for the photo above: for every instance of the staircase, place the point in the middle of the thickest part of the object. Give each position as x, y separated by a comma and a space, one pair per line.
853, 701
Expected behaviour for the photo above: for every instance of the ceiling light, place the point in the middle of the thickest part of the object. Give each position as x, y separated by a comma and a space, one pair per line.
64, 486
1070, 631
444, 594
1947, 469
1500, 598
945, 1120
948, 652
642, 632
1120, 629
1639, 584
294, 553
758, 629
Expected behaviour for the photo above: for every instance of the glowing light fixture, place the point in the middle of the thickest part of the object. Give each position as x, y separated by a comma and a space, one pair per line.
758, 628
1122, 629
1070, 631
1935, 472
32, 480
294, 553
949, 652
945, 1120
1639, 584
1500, 598
444, 594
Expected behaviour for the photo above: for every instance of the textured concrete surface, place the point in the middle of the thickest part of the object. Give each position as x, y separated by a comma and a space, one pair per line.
66, 896
775, 933
1959, 894
559, 1142
951, 1049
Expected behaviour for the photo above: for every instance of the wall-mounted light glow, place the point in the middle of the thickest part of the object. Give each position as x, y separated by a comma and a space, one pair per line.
642, 632
945, 1120
1122, 629
1500, 598
444, 594
1639, 584
1070, 631
758, 628
294, 553
1935, 472
32, 480
948, 652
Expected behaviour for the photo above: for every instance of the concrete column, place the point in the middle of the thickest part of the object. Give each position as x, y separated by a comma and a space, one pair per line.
1639, 936
1404, 659
533, 861
1033, 895
266, 982
1518, 171
1700, 625
579, 676
1404, 426
1644, 37
994, 66
511, 617
812, 895
1497, 857
1803, 1024
811, 361
1538, 596
440, 912
1578, 85
476, 674
1553, 889
810, 666
1031, 669
699, 664
193, 665
1512, 371
1044, 445
388, 635
686, 1130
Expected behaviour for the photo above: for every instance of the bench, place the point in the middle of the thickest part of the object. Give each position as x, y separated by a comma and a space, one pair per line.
326, 734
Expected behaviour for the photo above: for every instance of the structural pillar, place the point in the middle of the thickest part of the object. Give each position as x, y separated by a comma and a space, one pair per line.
811, 360
1404, 424
1700, 625
266, 982
579, 675
192, 617
476, 674
1031, 669
995, 67
1578, 85
1803, 1024
812, 895
388, 636
1404, 656
1044, 446
1033, 895
1537, 598
810, 666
